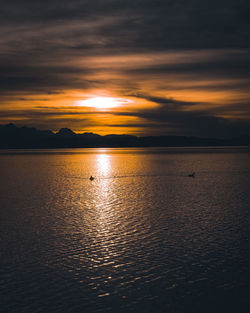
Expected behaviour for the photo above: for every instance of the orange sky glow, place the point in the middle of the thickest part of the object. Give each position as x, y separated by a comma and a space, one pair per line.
138, 73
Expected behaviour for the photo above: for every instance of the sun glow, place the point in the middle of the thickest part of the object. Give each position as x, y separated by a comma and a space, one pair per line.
103, 102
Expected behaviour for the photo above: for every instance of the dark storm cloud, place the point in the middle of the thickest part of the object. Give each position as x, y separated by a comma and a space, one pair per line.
191, 123
166, 103
154, 23
35, 77
42, 31
225, 64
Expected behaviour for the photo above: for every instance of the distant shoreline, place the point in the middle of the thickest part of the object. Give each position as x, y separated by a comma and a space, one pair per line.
189, 149
13, 137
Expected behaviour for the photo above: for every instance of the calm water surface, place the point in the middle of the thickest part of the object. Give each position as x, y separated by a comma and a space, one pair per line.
141, 237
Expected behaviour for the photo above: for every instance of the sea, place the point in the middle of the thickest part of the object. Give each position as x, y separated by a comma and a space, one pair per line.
142, 236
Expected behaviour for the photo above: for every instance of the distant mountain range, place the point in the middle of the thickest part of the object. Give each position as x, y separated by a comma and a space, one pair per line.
12, 136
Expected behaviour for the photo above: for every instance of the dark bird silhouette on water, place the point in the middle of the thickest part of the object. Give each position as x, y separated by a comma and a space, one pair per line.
91, 178
191, 175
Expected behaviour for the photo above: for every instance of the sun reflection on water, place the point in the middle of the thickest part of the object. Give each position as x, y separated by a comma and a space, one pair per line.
103, 164
104, 197
104, 226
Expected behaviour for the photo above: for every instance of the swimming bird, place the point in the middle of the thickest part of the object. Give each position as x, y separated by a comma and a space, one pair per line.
91, 178
191, 175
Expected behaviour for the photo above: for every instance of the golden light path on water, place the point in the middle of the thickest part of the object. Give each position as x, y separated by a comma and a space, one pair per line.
105, 221
103, 163
104, 193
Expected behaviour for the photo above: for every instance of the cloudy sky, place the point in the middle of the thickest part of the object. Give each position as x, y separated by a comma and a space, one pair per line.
144, 67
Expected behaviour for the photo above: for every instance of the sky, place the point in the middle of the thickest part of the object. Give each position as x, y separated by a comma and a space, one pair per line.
141, 67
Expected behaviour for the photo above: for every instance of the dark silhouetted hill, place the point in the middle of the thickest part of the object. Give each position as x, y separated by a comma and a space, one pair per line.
12, 136
66, 132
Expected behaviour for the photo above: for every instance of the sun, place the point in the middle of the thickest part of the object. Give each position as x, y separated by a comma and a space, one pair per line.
102, 102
